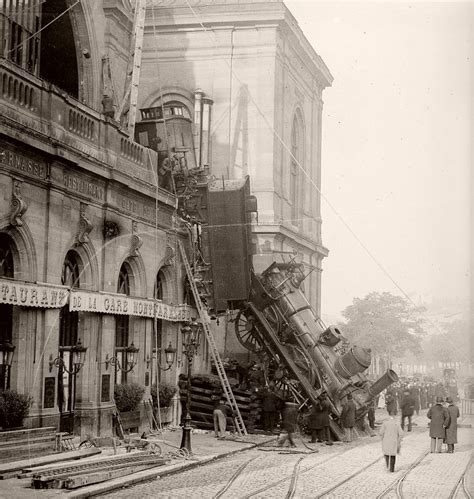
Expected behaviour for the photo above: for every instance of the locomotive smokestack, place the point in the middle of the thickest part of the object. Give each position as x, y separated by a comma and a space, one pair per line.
386, 380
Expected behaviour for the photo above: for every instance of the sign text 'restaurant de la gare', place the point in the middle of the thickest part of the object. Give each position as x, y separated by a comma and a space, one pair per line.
125, 305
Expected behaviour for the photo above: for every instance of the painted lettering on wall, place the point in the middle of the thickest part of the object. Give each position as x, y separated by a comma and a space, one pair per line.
77, 184
23, 164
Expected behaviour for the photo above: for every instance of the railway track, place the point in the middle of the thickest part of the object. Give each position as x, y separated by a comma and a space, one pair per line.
397, 486
461, 486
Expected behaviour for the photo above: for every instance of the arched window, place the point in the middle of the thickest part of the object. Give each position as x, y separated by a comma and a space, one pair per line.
6, 311
58, 61
295, 133
122, 326
298, 184
68, 335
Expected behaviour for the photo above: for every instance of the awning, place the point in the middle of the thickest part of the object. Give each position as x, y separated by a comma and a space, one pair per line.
43, 295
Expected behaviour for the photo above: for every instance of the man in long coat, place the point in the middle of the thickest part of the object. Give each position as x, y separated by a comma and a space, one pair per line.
452, 429
319, 421
348, 418
439, 416
407, 406
270, 407
391, 433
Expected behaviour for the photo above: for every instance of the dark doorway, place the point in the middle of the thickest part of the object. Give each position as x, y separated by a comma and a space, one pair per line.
68, 328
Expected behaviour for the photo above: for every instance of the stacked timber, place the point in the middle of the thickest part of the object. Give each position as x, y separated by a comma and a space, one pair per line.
205, 391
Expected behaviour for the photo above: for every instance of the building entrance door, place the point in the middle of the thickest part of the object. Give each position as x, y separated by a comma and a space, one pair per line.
66, 393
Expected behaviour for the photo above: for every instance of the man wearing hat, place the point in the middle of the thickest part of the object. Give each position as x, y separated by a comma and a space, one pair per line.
348, 418
407, 406
439, 416
452, 429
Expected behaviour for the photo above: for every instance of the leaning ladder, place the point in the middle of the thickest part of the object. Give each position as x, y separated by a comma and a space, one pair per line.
238, 421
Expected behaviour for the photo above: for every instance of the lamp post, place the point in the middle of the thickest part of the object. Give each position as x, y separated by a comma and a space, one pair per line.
190, 333
6, 356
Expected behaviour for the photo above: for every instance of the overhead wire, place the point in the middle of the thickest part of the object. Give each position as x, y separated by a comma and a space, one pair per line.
323, 196
44, 27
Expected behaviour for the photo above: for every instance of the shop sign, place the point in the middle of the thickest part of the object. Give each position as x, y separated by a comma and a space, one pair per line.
32, 295
110, 303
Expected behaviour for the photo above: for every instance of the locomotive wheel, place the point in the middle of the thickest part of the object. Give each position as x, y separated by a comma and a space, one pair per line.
300, 358
247, 332
271, 314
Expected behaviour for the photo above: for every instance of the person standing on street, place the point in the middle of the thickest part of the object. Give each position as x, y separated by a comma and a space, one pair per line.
439, 416
220, 412
371, 414
407, 406
270, 403
391, 402
319, 421
452, 429
348, 418
289, 417
392, 434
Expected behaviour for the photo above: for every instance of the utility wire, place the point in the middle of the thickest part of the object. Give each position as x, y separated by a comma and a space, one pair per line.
43, 27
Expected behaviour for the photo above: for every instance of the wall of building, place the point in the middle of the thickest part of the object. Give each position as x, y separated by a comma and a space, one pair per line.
67, 175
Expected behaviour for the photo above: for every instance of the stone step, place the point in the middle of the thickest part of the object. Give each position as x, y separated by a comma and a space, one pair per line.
22, 442
14, 434
27, 451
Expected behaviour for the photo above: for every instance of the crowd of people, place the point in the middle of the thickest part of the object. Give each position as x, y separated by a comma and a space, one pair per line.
401, 401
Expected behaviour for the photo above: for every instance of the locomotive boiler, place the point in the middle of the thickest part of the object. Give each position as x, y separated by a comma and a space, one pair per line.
304, 357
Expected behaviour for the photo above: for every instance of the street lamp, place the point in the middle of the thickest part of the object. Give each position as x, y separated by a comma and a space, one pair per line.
190, 333
78, 355
130, 359
6, 356
170, 354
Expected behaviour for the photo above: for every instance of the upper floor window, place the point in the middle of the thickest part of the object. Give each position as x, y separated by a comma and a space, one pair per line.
20, 23
38, 36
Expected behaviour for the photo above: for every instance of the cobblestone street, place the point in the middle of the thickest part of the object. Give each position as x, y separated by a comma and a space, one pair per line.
343, 470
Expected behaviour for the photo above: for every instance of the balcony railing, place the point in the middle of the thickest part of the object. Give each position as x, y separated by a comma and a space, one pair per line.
58, 119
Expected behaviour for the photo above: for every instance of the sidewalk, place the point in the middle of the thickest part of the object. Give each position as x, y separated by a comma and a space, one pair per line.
205, 448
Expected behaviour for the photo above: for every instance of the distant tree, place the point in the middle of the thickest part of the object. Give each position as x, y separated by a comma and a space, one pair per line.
385, 323
453, 345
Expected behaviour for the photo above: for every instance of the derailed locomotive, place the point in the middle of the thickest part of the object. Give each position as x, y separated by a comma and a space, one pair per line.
304, 357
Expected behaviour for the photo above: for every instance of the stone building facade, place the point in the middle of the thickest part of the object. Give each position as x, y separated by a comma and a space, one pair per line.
87, 238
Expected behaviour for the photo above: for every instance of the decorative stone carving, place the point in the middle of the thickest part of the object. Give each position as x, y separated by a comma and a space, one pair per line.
111, 229
169, 258
85, 227
19, 206
170, 253
137, 241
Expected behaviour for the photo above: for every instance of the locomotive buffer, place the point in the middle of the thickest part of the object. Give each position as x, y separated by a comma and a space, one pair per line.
238, 421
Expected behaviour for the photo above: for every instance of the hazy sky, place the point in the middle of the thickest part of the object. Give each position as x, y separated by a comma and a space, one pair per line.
396, 145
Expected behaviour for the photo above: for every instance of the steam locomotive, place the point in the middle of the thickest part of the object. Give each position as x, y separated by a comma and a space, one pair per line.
277, 322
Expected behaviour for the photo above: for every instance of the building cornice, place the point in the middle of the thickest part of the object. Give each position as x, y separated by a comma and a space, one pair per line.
231, 14
301, 240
